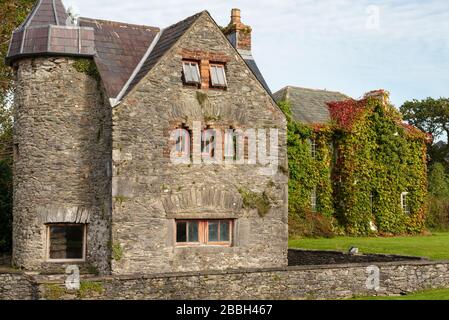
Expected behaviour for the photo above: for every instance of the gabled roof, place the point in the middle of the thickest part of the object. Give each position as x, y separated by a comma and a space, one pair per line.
309, 106
119, 47
165, 42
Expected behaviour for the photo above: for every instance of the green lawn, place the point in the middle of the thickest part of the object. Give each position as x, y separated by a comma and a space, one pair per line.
435, 247
442, 294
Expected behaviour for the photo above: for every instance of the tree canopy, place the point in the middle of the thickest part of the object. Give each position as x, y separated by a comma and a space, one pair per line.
429, 115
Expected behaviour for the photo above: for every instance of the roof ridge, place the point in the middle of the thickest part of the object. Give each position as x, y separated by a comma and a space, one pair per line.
317, 90
117, 22
196, 15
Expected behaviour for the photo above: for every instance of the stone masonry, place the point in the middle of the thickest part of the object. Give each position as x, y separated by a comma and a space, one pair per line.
62, 159
149, 192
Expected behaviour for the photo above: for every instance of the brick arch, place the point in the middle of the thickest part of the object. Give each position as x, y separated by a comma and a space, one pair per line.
204, 199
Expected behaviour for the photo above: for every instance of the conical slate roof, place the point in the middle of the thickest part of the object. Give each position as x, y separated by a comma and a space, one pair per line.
46, 32
46, 12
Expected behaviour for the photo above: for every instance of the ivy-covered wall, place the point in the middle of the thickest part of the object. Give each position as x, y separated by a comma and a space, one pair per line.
364, 160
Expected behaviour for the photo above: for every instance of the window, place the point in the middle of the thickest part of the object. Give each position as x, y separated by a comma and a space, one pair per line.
404, 203
208, 143
204, 232
218, 75
191, 72
66, 242
312, 143
313, 200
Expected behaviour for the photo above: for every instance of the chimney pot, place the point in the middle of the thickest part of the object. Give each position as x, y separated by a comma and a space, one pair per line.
235, 16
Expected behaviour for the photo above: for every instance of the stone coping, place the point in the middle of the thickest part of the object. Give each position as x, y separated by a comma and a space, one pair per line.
57, 278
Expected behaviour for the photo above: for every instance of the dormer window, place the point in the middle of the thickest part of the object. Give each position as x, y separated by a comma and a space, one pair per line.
218, 76
191, 72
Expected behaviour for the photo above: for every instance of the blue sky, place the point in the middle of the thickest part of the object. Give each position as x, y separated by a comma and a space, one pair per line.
351, 46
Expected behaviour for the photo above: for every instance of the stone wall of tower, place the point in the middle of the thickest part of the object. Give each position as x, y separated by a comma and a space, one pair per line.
62, 137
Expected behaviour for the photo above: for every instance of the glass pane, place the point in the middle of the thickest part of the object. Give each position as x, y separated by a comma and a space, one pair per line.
66, 242
213, 231
193, 231
221, 77
224, 231
214, 75
194, 71
181, 232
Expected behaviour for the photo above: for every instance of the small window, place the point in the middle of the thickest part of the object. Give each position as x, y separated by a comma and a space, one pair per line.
218, 76
204, 232
312, 144
66, 242
191, 72
404, 203
313, 200
208, 143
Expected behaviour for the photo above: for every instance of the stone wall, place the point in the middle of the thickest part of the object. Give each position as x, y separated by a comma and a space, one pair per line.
16, 286
306, 282
62, 159
150, 192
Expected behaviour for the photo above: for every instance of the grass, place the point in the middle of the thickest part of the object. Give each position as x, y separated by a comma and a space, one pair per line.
441, 294
435, 247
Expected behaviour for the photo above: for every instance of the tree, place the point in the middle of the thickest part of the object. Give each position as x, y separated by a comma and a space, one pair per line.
429, 115
438, 181
12, 14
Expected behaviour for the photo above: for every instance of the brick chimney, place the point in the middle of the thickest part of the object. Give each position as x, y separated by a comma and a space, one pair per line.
238, 33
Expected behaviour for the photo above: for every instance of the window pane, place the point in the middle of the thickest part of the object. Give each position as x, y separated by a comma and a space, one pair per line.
181, 232
193, 231
214, 76
213, 231
224, 231
66, 242
221, 76
194, 72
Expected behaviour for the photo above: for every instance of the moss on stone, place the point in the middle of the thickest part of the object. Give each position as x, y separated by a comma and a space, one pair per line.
201, 97
86, 66
53, 291
89, 289
117, 252
254, 200
120, 199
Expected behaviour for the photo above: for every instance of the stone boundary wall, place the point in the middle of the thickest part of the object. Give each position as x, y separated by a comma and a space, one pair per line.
305, 282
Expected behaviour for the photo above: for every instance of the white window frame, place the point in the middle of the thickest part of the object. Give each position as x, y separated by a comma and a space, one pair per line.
222, 67
47, 254
405, 204
313, 149
184, 69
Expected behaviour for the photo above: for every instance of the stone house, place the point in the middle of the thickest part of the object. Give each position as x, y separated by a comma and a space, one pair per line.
95, 184
355, 162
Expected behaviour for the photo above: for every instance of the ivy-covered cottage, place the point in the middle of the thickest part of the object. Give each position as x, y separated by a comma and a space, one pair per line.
354, 162
94, 182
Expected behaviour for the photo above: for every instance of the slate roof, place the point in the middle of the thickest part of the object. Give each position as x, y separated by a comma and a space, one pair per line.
168, 38
124, 53
46, 12
119, 47
309, 106
255, 69
46, 32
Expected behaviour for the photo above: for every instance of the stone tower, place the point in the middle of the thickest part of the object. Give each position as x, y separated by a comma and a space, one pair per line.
62, 145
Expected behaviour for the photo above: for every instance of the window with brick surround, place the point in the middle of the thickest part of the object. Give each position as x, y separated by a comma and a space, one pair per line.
66, 242
204, 232
191, 72
218, 76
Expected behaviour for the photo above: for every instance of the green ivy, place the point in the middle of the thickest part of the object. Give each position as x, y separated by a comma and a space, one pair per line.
359, 172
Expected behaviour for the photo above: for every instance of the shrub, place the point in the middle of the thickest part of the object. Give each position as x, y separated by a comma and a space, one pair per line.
311, 225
